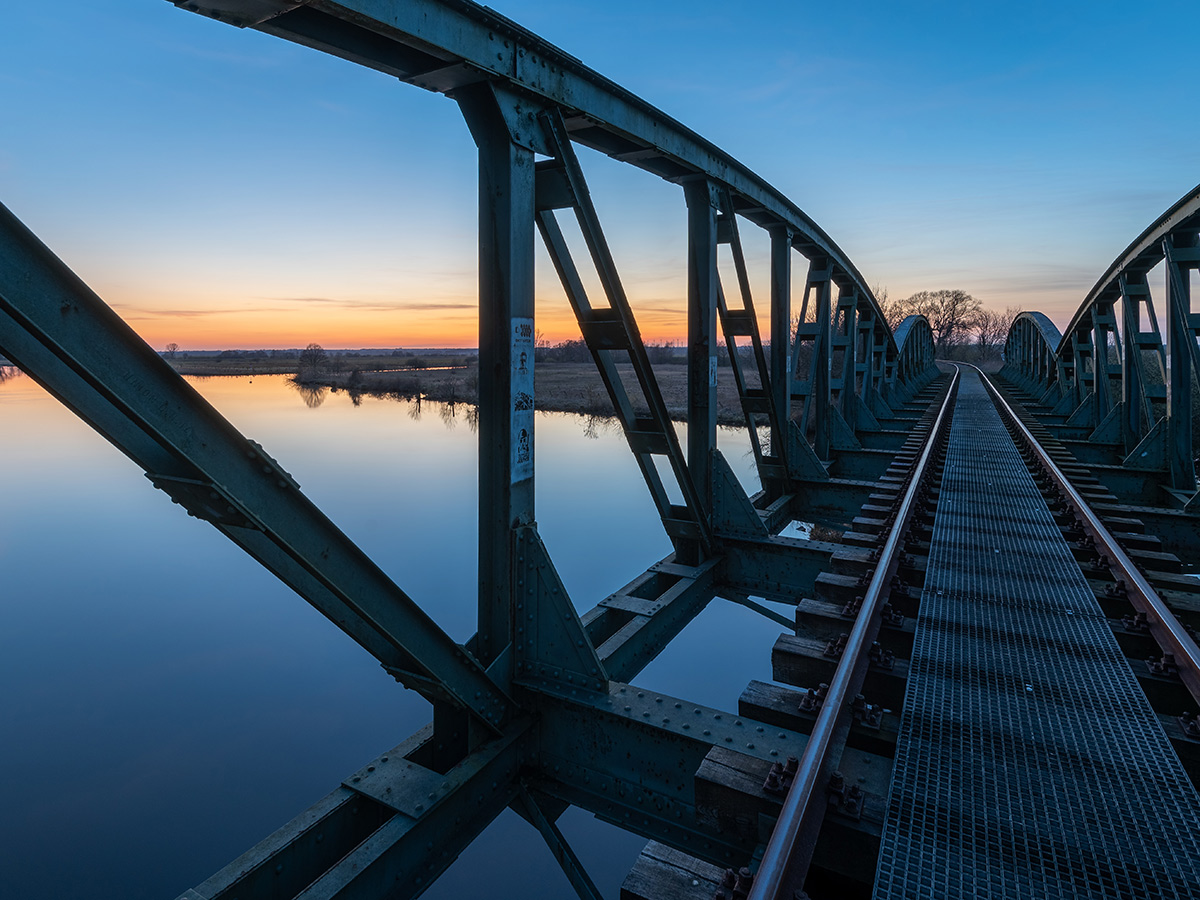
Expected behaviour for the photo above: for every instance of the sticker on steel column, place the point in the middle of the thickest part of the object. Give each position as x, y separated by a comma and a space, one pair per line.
712, 371
522, 399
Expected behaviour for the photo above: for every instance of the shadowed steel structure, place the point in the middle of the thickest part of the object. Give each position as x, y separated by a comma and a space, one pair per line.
535, 711
1111, 379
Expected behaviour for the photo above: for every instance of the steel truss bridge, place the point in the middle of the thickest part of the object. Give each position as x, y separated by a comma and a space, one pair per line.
990, 528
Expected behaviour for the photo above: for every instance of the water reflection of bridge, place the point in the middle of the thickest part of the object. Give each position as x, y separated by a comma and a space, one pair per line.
917, 635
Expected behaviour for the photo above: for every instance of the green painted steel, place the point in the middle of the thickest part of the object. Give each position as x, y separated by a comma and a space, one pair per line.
536, 710
1111, 378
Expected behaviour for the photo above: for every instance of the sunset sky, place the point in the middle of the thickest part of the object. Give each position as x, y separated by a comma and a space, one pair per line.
221, 188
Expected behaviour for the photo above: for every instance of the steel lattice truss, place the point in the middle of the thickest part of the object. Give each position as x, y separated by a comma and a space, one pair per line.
535, 711
1112, 377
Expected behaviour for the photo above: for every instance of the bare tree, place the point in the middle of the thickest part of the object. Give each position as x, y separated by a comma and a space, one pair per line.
894, 311
991, 330
951, 314
172, 349
312, 360
987, 333
1008, 317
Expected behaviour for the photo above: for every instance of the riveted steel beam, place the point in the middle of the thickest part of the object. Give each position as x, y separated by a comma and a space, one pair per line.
781, 326
444, 45
777, 568
575, 736
630, 757
1183, 359
611, 332
703, 285
1138, 389
1071, 373
741, 321
506, 357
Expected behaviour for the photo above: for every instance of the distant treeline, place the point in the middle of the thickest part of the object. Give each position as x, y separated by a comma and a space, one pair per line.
569, 351
577, 351
294, 353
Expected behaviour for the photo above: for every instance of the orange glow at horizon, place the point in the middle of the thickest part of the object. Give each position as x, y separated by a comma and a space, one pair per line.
454, 325
289, 326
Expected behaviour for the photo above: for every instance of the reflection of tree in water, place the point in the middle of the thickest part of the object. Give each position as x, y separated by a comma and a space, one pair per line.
448, 412
313, 394
7, 372
595, 425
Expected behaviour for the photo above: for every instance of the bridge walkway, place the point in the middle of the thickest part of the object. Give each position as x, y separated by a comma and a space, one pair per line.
1029, 762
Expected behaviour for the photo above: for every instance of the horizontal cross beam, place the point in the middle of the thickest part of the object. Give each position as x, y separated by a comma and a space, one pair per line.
630, 757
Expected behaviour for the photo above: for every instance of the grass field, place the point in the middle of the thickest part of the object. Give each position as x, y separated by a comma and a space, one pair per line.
561, 387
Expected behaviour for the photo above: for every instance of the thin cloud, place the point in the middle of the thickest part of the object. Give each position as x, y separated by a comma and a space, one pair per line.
1030, 278
396, 306
140, 313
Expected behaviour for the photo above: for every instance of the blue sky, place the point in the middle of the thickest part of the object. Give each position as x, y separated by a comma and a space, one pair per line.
223, 188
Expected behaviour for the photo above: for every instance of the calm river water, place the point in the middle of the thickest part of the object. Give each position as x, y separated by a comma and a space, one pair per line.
165, 703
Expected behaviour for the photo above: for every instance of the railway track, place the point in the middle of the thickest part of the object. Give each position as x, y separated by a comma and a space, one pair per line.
1150, 595
843, 677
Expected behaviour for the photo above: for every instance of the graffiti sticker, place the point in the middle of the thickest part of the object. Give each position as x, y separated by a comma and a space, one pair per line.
522, 399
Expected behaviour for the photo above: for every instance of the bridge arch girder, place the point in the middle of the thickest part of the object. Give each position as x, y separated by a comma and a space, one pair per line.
917, 351
455, 48
1030, 354
522, 98
447, 45
1113, 372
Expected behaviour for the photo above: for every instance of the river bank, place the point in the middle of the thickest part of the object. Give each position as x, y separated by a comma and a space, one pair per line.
559, 386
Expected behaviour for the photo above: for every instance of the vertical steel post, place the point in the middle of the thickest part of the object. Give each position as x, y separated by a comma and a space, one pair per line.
822, 401
848, 306
1085, 351
871, 349
1034, 353
506, 242
1101, 384
1131, 370
1030, 357
702, 205
781, 335
1180, 452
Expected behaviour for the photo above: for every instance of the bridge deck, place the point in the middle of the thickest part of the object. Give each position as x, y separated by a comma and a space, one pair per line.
1029, 762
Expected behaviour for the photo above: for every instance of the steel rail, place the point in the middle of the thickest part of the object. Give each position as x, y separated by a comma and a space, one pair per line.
798, 806
1164, 627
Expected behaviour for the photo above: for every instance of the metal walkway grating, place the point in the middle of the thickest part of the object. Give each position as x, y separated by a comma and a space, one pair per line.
1029, 763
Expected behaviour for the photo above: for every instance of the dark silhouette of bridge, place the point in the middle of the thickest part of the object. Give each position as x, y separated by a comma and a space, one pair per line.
980, 694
